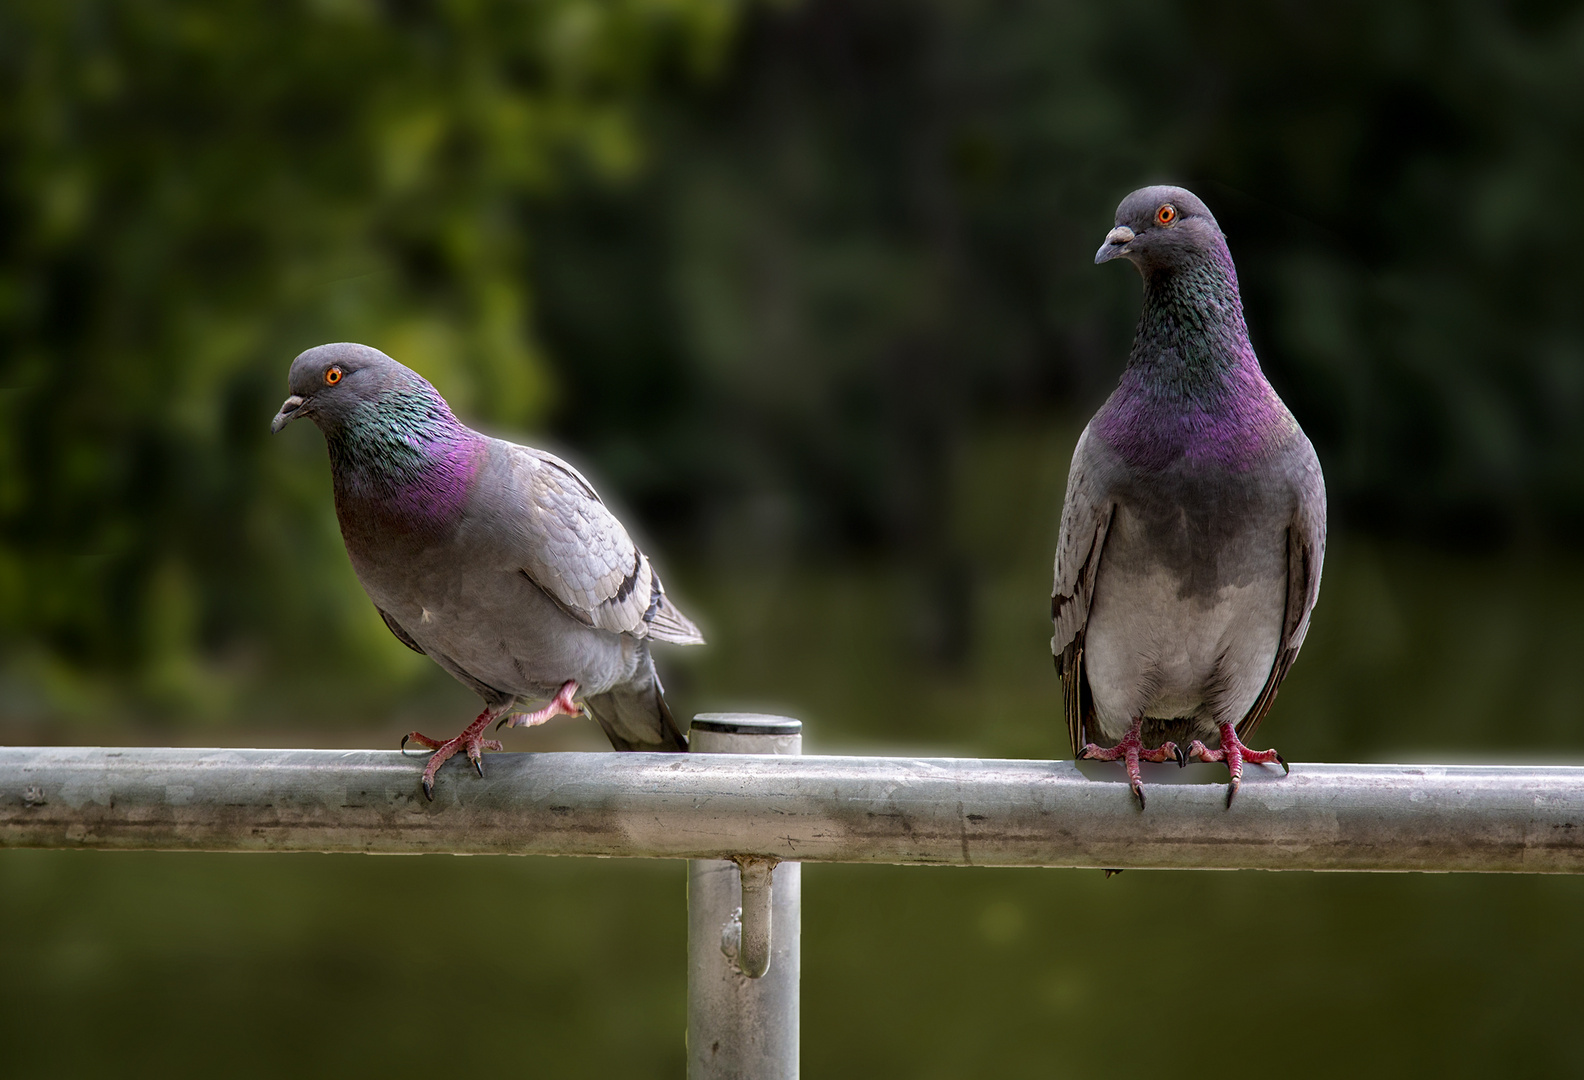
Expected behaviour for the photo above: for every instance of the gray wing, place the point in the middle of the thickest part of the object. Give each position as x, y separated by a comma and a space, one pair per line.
574, 549
400, 631
1306, 535
1086, 517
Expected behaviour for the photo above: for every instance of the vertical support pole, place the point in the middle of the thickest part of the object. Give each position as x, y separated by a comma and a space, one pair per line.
743, 934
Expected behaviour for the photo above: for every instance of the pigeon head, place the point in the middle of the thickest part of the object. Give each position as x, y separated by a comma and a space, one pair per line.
396, 448
330, 383
1163, 228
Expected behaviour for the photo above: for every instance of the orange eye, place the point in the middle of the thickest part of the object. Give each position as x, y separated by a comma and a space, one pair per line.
333, 376
1166, 214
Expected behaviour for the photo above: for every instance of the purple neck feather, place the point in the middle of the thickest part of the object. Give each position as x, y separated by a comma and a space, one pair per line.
1193, 391
404, 460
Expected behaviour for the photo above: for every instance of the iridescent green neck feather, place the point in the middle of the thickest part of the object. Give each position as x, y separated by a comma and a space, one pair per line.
404, 456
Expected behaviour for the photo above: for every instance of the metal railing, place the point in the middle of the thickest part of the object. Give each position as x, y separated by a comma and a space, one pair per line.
768, 812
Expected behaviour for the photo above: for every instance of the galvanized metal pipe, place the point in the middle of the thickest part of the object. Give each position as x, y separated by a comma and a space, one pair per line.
807, 809
744, 934
754, 876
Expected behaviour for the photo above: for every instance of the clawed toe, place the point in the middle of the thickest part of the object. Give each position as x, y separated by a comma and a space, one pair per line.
1161, 753
1235, 754
560, 705
1130, 750
475, 752
468, 741
421, 739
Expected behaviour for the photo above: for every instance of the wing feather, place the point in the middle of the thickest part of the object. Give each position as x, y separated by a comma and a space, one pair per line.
399, 630
1085, 521
576, 550
1306, 536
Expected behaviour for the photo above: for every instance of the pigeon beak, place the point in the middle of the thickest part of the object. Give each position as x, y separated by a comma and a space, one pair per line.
1115, 245
290, 410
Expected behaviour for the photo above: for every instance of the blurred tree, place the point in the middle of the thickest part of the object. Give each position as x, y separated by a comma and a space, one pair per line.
873, 234
191, 193
871, 240
775, 273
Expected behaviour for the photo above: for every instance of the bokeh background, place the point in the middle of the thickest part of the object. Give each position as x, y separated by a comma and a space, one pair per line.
807, 289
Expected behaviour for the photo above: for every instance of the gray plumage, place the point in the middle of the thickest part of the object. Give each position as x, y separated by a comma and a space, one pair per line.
538, 585
498, 561
1193, 530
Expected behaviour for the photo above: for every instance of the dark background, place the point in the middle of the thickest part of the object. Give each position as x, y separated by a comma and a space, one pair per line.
807, 289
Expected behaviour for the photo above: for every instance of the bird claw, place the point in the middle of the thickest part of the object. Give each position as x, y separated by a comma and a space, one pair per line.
1235, 754
560, 705
467, 741
475, 753
1131, 750
421, 739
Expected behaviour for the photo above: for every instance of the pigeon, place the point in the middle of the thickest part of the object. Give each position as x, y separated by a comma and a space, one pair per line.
497, 561
1193, 529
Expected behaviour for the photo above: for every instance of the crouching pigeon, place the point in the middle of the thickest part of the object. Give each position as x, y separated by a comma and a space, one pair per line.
1194, 525
497, 561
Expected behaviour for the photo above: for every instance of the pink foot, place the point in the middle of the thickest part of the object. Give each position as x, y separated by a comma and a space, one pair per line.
1131, 748
560, 705
1234, 753
469, 740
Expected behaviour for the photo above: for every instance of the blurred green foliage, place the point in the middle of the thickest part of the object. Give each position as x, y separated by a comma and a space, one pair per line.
774, 272
875, 239
809, 287
192, 193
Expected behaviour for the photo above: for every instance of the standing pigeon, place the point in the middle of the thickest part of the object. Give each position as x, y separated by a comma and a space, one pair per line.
497, 561
1194, 524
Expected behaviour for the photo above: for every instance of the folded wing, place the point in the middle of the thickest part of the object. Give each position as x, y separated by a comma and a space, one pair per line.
1086, 517
575, 550
1306, 535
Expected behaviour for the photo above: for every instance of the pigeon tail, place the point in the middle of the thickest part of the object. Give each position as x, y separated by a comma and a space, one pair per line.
635, 715
666, 623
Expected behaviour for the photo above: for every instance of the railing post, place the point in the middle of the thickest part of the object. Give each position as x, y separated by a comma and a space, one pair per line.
742, 1027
